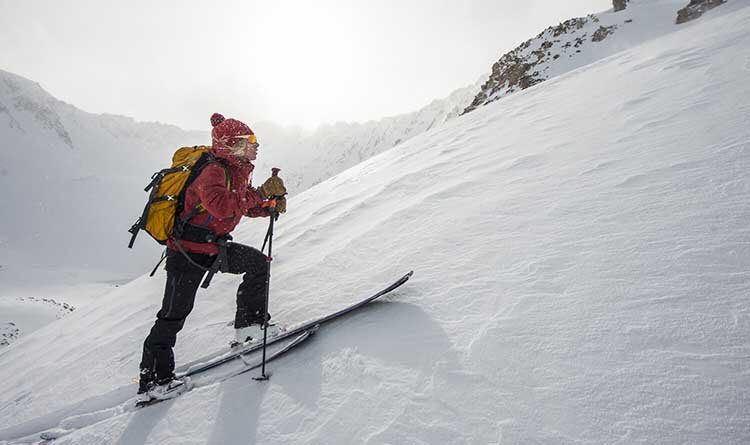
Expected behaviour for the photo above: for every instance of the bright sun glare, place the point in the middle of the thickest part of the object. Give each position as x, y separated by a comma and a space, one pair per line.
302, 57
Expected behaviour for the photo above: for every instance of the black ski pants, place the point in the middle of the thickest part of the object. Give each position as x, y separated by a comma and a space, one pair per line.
183, 280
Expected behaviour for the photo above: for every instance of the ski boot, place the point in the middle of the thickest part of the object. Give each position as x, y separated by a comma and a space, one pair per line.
170, 387
156, 390
254, 334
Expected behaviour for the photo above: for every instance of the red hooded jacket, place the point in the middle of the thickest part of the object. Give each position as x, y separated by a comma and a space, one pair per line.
225, 206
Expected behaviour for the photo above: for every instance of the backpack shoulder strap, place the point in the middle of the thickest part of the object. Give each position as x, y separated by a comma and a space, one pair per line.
205, 160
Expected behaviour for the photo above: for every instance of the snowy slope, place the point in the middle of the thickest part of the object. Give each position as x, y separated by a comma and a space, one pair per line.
98, 159
580, 276
72, 182
29, 314
62, 166
69, 181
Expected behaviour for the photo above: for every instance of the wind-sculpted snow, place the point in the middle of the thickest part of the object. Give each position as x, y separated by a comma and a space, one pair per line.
581, 276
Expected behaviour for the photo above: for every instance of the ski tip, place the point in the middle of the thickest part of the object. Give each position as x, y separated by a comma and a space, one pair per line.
409, 274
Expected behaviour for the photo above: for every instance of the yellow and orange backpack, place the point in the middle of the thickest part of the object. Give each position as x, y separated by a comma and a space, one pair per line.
167, 197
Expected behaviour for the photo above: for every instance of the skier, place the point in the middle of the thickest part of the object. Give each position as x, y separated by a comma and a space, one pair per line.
214, 203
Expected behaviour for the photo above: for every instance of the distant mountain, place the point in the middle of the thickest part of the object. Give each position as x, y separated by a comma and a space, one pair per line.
583, 40
310, 159
333, 148
71, 182
70, 179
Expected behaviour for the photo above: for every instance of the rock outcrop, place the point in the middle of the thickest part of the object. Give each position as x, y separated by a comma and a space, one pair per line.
696, 8
527, 65
602, 33
578, 42
620, 4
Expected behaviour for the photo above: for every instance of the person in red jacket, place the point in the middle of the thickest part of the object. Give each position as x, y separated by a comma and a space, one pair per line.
214, 204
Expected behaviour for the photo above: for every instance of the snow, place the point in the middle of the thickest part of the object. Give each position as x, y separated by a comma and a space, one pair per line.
88, 167
575, 43
334, 148
69, 176
72, 180
581, 276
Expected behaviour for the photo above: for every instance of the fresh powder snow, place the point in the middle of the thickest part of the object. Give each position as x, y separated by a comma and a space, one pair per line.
582, 275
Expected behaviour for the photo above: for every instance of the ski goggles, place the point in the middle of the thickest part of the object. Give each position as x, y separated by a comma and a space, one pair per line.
244, 141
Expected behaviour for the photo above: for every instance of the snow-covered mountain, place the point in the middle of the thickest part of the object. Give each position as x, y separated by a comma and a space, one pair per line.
71, 182
581, 276
71, 177
583, 40
72, 185
333, 148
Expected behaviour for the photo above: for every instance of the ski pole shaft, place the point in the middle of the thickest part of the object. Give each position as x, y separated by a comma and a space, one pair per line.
265, 240
269, 237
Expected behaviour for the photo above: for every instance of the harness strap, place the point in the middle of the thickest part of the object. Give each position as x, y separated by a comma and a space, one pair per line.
163, 255
187, 257
221, 263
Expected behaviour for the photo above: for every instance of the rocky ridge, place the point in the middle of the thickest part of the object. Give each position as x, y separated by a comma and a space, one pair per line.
11, 330
696, 8
572, 44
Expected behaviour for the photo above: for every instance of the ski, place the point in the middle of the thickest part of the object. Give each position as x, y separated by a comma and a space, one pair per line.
301, 331
211, 362
300, 338
130, 404
249, 366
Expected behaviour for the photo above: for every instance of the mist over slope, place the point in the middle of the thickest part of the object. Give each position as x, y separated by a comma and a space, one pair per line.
72, 185
333, 148
73, 180
581, 275
70, 182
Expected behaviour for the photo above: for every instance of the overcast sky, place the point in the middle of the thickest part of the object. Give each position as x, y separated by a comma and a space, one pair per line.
290, 62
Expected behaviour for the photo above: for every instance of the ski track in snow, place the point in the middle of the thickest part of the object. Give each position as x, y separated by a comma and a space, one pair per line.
580, 277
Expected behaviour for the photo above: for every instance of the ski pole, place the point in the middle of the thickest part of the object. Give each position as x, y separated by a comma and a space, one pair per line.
269, 237
265, 240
